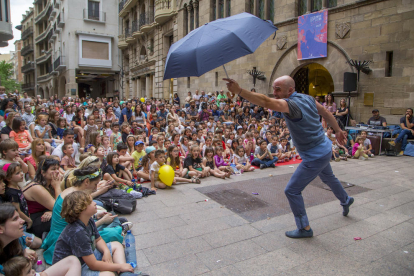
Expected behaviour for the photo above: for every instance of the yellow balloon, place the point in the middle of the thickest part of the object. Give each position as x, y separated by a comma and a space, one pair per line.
166, 174
142, 100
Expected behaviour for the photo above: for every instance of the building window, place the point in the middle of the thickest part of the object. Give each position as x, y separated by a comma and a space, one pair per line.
261, 9
93, 10
271, 10
216, 82
191, 17
332, 3
214, 10
302, 7
316, 5
221, 8
197, 22
6, 10
228, 8
188, 82
185, 19
388, 64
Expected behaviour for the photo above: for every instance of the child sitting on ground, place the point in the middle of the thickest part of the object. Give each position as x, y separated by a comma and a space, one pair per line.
367, 144
358, 150
284, 153
221, 164
154, 173
89, 128
116, 136
335, 151
273, 147
9, 150
67, 162
117, 172
209, 163
193, 163
124, 158
241, 161
138, 154
81, 238
20, 135
106, 144
263, 157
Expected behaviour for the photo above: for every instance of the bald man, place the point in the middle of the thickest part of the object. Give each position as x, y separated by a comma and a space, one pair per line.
301, 113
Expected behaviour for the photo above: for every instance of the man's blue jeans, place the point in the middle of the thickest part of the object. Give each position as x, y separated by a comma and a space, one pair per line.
266, 161
402, 138
304, 174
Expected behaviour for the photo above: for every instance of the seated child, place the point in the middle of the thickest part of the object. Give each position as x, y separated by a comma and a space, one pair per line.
221, 164
124, 158
242, 161
67, 162
154, 175
138, 154
194, 164
117, 172
263, 157
210, 164
358, 150
335, 151
81, 238
367, 144
284, 153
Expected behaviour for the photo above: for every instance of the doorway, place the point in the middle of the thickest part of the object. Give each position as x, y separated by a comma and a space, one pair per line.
314, 79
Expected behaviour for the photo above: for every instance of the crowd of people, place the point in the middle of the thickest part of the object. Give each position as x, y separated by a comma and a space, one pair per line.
47, 196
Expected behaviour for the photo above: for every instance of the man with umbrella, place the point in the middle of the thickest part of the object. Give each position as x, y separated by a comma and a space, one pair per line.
302, 112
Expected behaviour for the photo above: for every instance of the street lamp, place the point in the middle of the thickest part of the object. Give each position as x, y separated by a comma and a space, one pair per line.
256, 75
360, 66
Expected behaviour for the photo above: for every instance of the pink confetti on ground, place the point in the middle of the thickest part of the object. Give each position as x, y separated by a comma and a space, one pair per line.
357, 238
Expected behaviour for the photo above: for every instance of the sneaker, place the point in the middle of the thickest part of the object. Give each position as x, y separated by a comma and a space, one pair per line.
346, 207
273, 165
371, 155
262, 166
299, 233
141, 180
337, 159
392, 143
126, 226
401, 153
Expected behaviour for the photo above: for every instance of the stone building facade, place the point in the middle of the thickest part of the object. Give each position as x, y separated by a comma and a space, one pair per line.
373, 30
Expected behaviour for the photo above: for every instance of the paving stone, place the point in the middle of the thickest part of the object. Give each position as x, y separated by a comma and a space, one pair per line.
384, 192
143, 241
206, 215
142, 260
274, 224
402, 233
225, 271
171, 211
385, 267
159, 224
403, 257
392, 201
234, 220
405, 209
271, 263
200, 228
388, 219
331, 222
142, 216
189, 265
175, 250
273, 240
232, 235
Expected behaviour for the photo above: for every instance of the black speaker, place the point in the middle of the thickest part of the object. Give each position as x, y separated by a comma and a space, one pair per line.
350, 82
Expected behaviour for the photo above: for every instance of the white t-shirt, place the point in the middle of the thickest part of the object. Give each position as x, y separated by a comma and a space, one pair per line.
68, 117
367, 142
155, 167
196, 98
58, 150
41, 129
282, 148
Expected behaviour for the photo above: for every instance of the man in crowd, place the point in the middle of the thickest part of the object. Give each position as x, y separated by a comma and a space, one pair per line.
196, 98
376, 119
126, 114
407, 126
162, 113
28, 117
68, 137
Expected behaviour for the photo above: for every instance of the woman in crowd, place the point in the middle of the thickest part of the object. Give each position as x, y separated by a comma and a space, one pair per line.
110, 115
5, 131
342, 112
329, 105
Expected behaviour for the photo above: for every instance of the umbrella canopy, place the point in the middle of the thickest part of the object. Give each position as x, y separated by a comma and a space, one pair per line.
216, 43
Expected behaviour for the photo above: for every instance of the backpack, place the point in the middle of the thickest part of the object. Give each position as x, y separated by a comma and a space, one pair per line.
118, 201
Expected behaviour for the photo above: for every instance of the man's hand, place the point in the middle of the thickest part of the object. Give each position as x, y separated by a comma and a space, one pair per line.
233, 87
340, 137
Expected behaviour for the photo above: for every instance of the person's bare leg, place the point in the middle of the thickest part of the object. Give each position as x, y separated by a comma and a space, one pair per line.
69, 266
118, 253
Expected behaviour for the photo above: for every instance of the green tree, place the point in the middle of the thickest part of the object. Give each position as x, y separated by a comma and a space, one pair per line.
6, 71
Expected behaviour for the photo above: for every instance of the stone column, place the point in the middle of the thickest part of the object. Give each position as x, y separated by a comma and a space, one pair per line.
324, 4
189, 7
308, 6
139, 89
147, 86
153, 84
196, 19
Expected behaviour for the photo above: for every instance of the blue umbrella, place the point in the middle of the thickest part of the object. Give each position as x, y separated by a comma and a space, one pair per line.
216, 43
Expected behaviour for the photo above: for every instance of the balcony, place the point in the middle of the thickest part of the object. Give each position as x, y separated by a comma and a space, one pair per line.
148, 22
44, 57
60, 20
45, 12
136, 29
28, 67
122, 44
43, 35
59, 64
121, 5
128, 35
28, 86
94, 16
26, 33
45, 77
6, 32
56, 4
164, 10
127, 5
53, 36
27, 50
53, 13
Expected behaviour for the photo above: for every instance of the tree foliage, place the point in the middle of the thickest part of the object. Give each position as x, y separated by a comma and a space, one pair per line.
6, 72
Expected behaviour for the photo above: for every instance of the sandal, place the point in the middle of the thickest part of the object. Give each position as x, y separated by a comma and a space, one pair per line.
195, 180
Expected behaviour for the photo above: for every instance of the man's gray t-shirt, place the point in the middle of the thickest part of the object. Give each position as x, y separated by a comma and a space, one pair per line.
76, 239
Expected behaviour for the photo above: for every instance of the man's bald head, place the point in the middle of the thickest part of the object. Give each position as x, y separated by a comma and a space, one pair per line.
283, 87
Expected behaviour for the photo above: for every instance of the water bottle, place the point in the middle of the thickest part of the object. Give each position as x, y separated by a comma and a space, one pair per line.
130, 253
251, 157
294, 155
133, 183
40, 267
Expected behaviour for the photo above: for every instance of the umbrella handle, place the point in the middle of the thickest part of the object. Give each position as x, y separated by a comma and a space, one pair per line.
225, 71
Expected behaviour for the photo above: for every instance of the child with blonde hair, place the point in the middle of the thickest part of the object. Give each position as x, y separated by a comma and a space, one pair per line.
358, 150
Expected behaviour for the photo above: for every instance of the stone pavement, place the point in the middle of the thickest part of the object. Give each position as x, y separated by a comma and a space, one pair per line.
179, 233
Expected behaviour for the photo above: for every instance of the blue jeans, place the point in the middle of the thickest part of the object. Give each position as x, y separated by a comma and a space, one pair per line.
304, 174
266, 161
402, 138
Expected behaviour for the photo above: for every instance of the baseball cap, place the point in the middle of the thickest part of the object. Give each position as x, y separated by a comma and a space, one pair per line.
138, 143
375, 110
239, 127
148, 150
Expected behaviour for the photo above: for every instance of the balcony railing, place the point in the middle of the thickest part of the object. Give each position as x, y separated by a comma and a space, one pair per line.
28, 67
127, 32
164, 10
44, 56
45, 11
45, 77
26, 33
28, 86
122, 44
43, 35
27, 49
147, 21
94, 15
61, 20
58, 64
121, 5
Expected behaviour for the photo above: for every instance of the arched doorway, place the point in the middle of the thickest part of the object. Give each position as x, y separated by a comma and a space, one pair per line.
41, 93
313, 79
47, 95
62, 87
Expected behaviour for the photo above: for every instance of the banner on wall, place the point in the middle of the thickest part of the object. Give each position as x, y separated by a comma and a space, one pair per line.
313, 35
